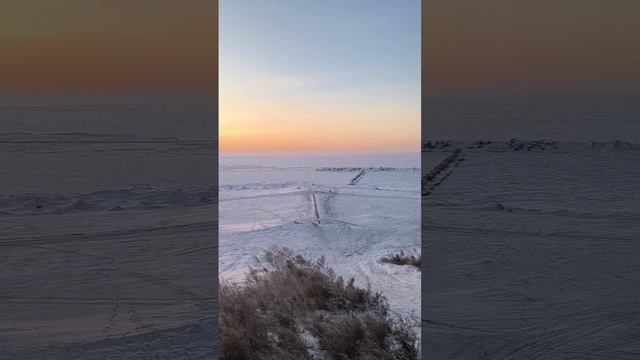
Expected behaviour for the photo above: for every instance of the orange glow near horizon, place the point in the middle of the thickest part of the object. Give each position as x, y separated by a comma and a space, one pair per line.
301, 127
284, 142
311, 140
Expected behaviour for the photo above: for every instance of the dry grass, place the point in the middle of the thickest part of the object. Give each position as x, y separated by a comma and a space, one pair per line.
402, 259
365, 336
295, 308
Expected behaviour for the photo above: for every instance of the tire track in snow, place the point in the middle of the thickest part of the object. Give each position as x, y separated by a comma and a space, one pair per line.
357, 177
440, 172
315, 205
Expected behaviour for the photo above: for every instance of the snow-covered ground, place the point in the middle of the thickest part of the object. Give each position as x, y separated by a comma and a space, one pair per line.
107, 247
531, 252
352, 209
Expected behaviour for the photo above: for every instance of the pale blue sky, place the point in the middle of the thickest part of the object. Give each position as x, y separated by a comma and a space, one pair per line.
320, 55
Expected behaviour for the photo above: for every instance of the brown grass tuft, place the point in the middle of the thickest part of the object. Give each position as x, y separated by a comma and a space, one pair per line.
275, 312
402, 259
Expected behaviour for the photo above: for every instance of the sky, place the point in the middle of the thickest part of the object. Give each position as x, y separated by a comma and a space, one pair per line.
108, 46
317, 76
531, 45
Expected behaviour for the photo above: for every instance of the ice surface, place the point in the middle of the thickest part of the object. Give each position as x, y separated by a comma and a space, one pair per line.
106, 245
561, 116
532, 253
